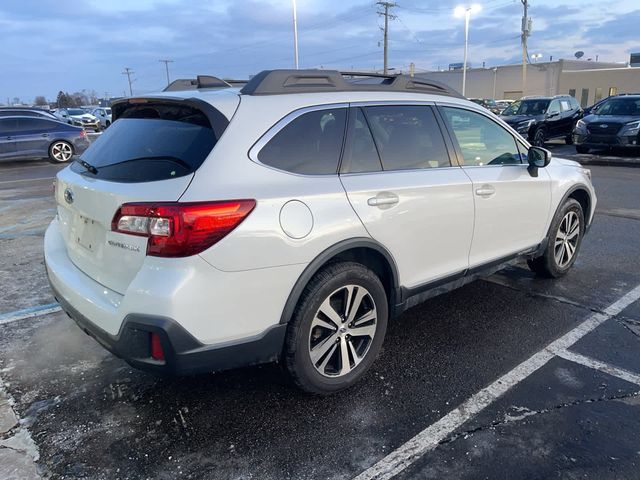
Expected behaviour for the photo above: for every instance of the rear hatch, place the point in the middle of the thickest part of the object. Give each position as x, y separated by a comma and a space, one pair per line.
148, 154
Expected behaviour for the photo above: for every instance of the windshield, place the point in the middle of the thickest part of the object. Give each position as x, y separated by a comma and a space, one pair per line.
619, 106
527, 107
75, 111
150, 142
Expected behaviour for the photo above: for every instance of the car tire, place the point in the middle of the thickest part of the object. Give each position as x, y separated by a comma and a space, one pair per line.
582, 149
107, 124
539, 137
60, 151
331, 340
563, 241
568, 139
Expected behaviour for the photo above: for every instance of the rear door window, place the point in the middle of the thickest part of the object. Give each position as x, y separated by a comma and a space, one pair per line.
310, 144
153, 141
33, 124
407, 137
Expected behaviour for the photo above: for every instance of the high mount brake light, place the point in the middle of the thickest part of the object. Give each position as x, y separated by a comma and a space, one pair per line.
181, 229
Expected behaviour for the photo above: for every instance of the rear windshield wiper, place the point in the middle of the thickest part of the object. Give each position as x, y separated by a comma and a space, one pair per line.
90, 168
169, 158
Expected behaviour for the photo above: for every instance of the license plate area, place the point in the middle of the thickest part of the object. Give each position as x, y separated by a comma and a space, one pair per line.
86, 233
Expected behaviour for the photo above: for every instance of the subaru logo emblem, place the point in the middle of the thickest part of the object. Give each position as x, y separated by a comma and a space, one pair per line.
604, 125
68, 196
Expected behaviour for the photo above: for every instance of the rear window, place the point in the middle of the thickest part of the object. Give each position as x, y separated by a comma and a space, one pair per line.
151, 142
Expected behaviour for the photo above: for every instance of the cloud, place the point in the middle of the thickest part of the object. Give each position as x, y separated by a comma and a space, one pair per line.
48, 45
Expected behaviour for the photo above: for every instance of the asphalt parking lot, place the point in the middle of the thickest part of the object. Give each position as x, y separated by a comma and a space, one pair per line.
508, 377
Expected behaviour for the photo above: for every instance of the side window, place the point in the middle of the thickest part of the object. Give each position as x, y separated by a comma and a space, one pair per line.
574, 104
361, 154
407, 137
482, 141
28, 124
310, 144
7, 126
565, 105
554, 107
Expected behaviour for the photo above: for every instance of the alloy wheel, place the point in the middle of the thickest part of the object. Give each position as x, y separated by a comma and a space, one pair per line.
567, 238
61, 151
342, 331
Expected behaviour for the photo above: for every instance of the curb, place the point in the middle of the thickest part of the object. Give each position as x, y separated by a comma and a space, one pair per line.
587, 159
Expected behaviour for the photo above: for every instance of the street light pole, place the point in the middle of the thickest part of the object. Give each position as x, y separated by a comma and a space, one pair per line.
495, 79
467, 14
295, 34
466, 11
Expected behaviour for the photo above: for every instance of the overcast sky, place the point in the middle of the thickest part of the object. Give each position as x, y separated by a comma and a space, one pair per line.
52, 45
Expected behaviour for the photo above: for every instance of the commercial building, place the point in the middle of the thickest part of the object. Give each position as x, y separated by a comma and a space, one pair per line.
587, 81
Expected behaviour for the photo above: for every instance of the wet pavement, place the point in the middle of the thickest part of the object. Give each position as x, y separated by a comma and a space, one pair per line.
92, 416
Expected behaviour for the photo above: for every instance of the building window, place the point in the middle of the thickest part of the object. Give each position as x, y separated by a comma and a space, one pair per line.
598, 94
584, 98
613, 91
572, 92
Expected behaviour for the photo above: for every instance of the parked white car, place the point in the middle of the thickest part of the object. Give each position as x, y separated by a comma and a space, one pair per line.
104, 115
78, 117
289, 220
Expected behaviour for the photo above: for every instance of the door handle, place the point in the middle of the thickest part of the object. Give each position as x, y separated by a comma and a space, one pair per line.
383, 200
45, 134
485, 191
9, 138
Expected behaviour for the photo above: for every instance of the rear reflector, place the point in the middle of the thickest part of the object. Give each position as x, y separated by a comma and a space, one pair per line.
181, 229
157, 353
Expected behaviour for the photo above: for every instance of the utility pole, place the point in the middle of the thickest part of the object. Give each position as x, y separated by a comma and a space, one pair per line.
387, 15
128, 72
166, 66
526, 26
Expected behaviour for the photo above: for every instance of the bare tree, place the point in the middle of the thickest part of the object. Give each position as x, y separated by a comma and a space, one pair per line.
40, 101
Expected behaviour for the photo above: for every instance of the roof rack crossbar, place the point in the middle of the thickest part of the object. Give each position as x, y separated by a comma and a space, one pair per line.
275, 82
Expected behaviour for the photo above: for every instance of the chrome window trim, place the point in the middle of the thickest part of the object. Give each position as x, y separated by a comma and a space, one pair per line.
254, 151
408, 170
384, 103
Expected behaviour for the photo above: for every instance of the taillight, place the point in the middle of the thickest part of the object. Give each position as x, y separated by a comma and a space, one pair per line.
181, 229
83, 133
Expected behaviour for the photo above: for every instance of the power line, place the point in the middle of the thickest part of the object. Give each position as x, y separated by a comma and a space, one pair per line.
166, 66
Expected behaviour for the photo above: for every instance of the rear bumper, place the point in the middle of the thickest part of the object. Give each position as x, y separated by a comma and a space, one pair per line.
80, 145
200, 313
183, 354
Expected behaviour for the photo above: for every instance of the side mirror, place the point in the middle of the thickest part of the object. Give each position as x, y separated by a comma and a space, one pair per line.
538, 157
552, 114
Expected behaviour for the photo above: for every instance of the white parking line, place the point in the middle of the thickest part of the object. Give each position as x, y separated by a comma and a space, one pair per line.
601, 366
29, 313
429, 438
27, 180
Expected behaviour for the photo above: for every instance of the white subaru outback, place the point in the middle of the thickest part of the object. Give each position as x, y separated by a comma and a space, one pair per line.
290, 219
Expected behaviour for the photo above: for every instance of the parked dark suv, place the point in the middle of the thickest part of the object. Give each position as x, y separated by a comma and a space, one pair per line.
613, 123
542, 118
